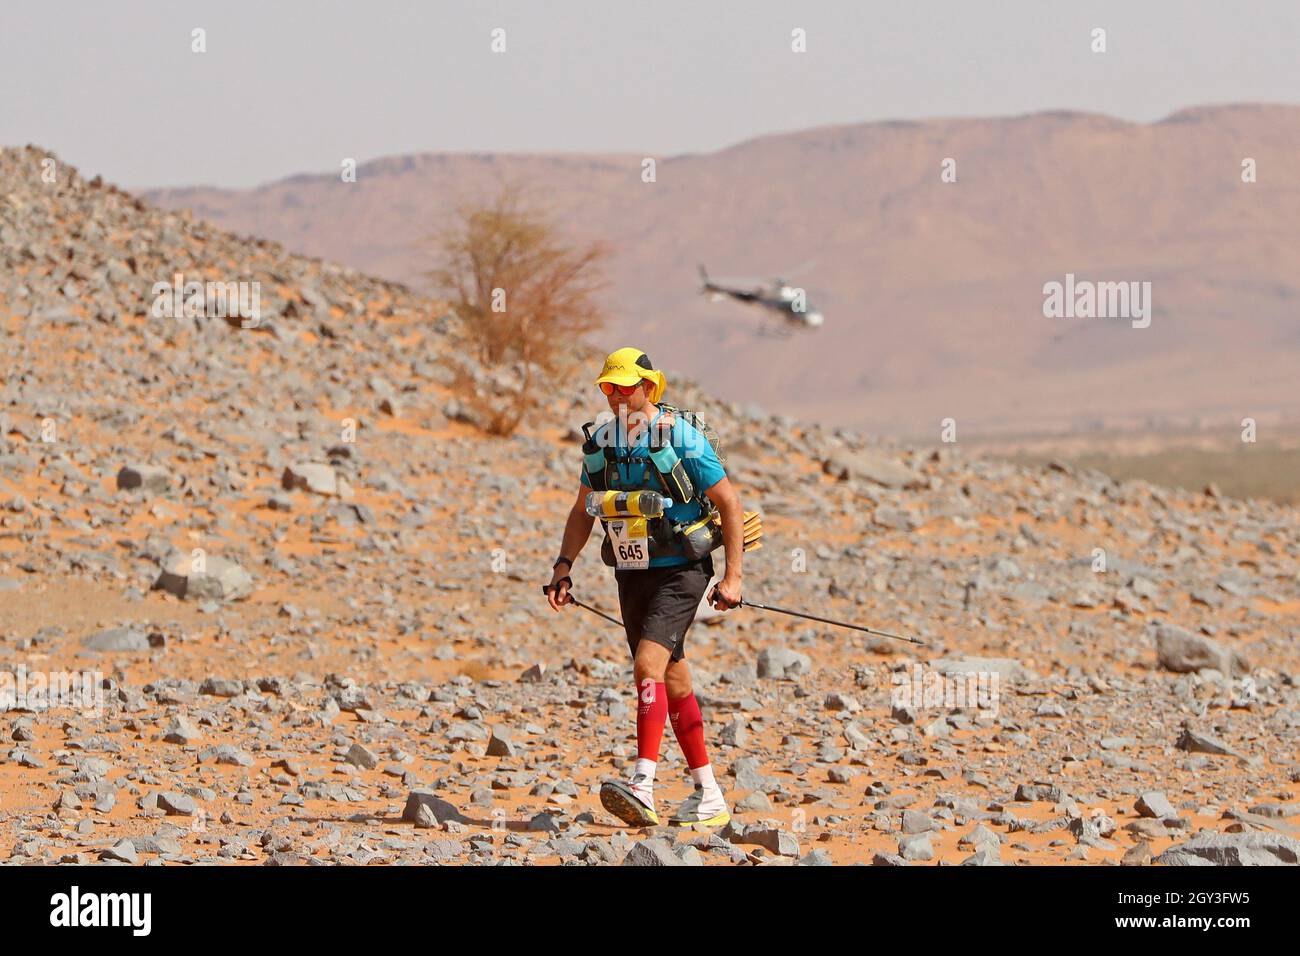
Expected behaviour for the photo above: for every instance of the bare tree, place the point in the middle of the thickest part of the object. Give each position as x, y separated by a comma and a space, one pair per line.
523, 295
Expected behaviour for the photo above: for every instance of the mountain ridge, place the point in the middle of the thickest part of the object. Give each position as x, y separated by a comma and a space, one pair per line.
1037, 196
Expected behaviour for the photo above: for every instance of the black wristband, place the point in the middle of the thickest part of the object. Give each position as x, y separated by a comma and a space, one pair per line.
558, 560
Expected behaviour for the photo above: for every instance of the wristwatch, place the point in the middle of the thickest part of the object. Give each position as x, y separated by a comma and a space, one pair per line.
558, 560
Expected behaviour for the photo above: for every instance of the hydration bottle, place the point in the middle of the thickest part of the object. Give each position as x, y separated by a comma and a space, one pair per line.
627, 504
671, 469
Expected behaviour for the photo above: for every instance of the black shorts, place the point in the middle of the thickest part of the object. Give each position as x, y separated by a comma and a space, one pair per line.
659, 604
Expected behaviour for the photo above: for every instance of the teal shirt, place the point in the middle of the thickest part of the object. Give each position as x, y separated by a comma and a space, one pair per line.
697, 457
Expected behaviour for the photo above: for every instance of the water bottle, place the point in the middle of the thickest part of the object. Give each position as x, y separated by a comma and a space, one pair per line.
627, 504
673, 472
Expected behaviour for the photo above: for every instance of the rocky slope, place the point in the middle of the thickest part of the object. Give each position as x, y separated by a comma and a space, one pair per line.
360, 668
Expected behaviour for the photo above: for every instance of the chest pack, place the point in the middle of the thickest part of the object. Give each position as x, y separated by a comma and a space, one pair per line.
631, 537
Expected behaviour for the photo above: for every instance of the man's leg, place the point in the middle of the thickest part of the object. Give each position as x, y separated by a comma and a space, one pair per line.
678, 678
648, 669
708, 806
633, 802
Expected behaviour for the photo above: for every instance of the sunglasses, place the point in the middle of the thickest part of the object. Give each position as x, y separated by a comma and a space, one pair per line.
609, 387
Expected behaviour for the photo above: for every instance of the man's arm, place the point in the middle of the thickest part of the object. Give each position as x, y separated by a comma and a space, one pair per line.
577, 529
724, 496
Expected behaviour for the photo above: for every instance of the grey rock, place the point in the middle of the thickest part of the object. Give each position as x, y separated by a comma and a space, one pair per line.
444, 849
903, 713
117, 639
688, 854
179, 730
749, 775
1037, 793
986, 855
1208, 848
562, 847
654, 851
980, 834
780, 842
916, 846
856, 737
123, 850
361, 756
1146, 828
1182, 651
735, 733
756, 802
1260, 821
599, 851
352, 699
315, 477
231, 756
1196, 741
1137, 855
841, 701
1087, 833
534, 674
468, 730
502, 743
916, 822
148, 477
216, 579
177, 804
887, 859
1153, 803
221, 687
426, 809
543, 823
896, 519
1005, 668
781, 663
872, 467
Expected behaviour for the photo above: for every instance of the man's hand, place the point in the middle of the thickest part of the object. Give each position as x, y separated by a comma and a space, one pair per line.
726, 594
557, 592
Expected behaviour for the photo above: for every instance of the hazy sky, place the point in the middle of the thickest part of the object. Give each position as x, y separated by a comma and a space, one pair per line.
286, 87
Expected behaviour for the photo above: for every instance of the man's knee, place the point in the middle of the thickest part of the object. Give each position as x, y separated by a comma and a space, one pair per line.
651, 661
677, 678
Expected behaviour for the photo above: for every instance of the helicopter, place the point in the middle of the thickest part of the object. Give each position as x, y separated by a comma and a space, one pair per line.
778, 296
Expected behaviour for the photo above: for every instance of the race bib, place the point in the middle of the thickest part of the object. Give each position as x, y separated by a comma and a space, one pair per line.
630, 542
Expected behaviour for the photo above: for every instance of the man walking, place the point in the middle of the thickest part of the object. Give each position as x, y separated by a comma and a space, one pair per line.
662, 569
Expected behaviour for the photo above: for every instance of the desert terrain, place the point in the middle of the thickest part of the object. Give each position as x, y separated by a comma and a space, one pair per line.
309, 587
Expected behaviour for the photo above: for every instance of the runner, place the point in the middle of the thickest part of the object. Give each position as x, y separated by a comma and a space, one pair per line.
662, 566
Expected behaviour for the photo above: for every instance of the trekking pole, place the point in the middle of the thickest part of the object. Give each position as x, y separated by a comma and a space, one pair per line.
823, 620
546, 589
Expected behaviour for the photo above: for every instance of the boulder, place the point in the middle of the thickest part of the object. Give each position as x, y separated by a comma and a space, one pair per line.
1209, 848
1182, 651
218, 580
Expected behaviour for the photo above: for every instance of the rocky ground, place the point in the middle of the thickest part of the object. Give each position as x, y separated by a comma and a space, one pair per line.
310, 588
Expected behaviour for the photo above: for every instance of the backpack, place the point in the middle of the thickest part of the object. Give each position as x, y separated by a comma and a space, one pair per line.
704, 428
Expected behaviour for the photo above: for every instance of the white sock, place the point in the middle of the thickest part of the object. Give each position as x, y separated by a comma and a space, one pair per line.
646, 787
703, 777
712, 802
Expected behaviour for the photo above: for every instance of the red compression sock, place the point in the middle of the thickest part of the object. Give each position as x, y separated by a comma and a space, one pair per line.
651, 712
688, 725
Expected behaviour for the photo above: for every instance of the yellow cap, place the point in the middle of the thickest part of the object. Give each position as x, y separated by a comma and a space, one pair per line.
627, 366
